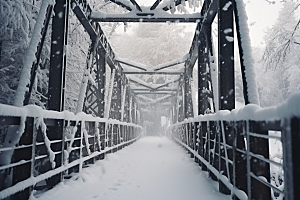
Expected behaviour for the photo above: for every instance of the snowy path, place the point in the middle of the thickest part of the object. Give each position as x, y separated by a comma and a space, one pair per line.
153, 168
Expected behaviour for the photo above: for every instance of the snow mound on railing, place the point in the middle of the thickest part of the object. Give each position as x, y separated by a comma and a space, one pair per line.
289, 108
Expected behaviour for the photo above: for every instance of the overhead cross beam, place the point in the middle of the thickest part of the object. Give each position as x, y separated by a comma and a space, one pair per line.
156, 73
157, 92
165, 84
171, 63
131, 64
145, 16
144, 89
141, 83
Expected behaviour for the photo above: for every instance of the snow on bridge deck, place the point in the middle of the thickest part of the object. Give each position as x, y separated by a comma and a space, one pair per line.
152, 168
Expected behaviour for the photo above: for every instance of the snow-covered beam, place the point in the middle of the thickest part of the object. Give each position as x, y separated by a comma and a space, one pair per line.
155, 73
165, 84
150, 100
145, 16
156, 92
162, 98
131, 63
152, 72
155, 101
171, 63
247, 63
149, 90
140, 82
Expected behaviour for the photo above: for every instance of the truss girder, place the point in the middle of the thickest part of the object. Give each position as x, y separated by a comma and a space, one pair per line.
94, 30
155, 73
148, 17
201, 49
95, 94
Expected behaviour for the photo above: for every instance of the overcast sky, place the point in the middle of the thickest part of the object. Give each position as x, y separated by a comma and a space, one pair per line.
261, 15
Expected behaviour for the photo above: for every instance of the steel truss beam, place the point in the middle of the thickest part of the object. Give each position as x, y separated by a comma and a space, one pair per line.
146, 17
158, 92
82, 10
155, 73
161, 90
130, 64
94, 30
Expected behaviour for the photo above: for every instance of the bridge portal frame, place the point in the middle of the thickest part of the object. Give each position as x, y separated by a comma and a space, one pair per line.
201, 50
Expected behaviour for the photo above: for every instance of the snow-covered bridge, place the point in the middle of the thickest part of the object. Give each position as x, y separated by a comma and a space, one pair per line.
69, 138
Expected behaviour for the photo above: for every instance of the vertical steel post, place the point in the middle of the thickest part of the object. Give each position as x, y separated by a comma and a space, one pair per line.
291, 157
180, 103
58, 56
57, 78
226, 55
239, 161
127, 102
101, 80
225, 64
202, 75
22, 172
259, 146
203, 140
196, 138
188, 103
115, 111
212, 125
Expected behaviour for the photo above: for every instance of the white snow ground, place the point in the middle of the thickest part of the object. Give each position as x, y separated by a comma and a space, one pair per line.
153, 168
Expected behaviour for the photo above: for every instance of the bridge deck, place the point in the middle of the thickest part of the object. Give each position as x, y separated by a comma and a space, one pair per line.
152, 168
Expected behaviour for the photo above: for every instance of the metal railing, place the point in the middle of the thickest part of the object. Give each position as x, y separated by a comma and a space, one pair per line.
52, 146
233, 147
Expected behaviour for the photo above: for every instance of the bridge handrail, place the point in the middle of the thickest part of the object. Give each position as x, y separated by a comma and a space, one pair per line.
36, 111
61, 142
287, 109
230, 144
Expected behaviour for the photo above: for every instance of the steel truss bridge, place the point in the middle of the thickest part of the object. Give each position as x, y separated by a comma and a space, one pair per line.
232, 146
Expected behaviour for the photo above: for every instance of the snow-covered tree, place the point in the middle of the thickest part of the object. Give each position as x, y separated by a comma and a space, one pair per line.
17, 19
281, 52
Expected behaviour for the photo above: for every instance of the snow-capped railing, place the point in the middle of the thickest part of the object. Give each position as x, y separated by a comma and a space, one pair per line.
234, 148
42, 147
